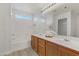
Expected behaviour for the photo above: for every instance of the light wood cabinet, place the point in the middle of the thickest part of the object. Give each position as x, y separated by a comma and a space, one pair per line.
45, 48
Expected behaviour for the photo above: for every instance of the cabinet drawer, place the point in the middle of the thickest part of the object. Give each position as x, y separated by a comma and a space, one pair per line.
41, 42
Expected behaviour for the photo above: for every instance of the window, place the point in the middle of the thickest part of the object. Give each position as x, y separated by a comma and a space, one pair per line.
19, 17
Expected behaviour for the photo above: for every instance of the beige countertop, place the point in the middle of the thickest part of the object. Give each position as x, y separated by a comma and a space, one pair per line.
73, 42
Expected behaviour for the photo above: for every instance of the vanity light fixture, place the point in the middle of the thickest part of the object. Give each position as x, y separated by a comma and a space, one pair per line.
47, 7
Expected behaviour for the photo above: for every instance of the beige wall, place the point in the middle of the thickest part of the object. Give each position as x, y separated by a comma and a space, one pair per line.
4, 28
73, 24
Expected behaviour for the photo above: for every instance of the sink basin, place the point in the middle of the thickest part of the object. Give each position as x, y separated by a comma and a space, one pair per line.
48, 36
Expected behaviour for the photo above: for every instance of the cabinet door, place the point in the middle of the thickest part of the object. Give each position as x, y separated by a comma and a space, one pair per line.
41, 50
34, 43
51, 49
66, 52
41, 47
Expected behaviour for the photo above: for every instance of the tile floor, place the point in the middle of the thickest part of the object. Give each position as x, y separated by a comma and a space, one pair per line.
24, 52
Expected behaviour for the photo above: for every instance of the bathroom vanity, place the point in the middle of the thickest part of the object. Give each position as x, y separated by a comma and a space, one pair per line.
44, 46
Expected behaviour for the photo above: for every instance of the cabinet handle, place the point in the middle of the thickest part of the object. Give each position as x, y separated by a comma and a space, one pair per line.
41, 45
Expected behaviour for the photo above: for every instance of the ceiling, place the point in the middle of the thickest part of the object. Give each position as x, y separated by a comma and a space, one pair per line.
30, 7
35, 8
66, 7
